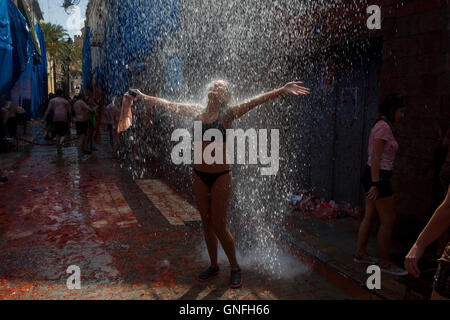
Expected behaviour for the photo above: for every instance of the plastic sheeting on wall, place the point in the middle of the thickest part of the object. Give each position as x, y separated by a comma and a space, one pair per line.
87, 62
6, 50
144, 21
29, 73
25, 12
42, 73
14, 47
133, 29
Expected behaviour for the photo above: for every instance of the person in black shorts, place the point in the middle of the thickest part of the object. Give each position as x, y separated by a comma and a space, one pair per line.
438, 224
81, 122
376, 180
59, 109
61, 128
82, 127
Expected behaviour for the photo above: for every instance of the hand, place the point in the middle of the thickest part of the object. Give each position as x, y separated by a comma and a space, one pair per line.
412, 259
373, 193
127, 97
295, 89
139, 94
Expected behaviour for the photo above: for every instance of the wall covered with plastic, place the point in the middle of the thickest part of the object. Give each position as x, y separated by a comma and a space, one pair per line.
24, 68
143, 24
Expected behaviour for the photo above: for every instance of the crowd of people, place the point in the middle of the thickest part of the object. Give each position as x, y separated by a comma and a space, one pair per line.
85, 114
59, 115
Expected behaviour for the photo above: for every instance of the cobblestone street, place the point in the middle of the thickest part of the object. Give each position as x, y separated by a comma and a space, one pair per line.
131, 239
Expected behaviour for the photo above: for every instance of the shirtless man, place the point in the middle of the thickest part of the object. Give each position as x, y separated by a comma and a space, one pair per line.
81, 121
60, 108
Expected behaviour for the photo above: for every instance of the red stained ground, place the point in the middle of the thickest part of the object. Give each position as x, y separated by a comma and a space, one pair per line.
55, 213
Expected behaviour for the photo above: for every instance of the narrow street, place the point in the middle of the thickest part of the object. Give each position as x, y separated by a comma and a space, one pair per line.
316, 133
130, 239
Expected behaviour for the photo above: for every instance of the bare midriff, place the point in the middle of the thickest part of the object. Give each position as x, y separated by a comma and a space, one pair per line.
214, 167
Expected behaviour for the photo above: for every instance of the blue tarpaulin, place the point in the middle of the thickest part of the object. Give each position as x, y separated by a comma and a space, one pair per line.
42, 74
5, 31
23, 78
145, 21
87, 61
133, 30
6, 50
24, 91
99, 79
20, 37
116, 59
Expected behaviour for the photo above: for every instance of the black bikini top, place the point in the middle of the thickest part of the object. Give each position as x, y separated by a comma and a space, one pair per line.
213, 125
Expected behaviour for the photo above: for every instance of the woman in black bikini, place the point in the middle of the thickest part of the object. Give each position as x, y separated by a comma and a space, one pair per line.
212, 183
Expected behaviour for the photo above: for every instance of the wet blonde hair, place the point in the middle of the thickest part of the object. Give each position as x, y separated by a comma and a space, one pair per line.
225, 93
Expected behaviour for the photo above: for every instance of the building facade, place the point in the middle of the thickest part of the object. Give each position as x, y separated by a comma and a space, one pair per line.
176, 50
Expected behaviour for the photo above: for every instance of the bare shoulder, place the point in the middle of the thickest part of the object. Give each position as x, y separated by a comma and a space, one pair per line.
188, 109
198, 109
228, 117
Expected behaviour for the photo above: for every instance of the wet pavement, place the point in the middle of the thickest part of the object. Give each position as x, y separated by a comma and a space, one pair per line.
130, 239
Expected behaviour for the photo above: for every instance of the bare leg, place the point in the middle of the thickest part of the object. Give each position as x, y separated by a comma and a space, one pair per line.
61, 141
365, 228
58, 141
385, 208
201, 193
221, 193
81, 146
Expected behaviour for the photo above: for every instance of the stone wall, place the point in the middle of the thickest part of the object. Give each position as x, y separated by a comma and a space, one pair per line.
416, 64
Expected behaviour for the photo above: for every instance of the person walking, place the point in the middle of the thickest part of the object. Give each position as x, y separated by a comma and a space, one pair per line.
376, 181
82, 111
60, 110
49, 129
21, 116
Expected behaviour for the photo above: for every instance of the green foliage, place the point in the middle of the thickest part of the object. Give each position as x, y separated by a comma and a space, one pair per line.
58, 46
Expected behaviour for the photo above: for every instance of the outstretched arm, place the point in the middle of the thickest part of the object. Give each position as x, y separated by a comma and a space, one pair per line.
184, 109
438, 223
126, 117
293, 88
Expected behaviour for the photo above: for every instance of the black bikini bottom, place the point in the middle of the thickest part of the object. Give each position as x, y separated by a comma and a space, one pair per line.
210, 178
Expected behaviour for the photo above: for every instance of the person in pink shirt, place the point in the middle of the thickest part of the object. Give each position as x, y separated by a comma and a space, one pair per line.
376, 181
60, 108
